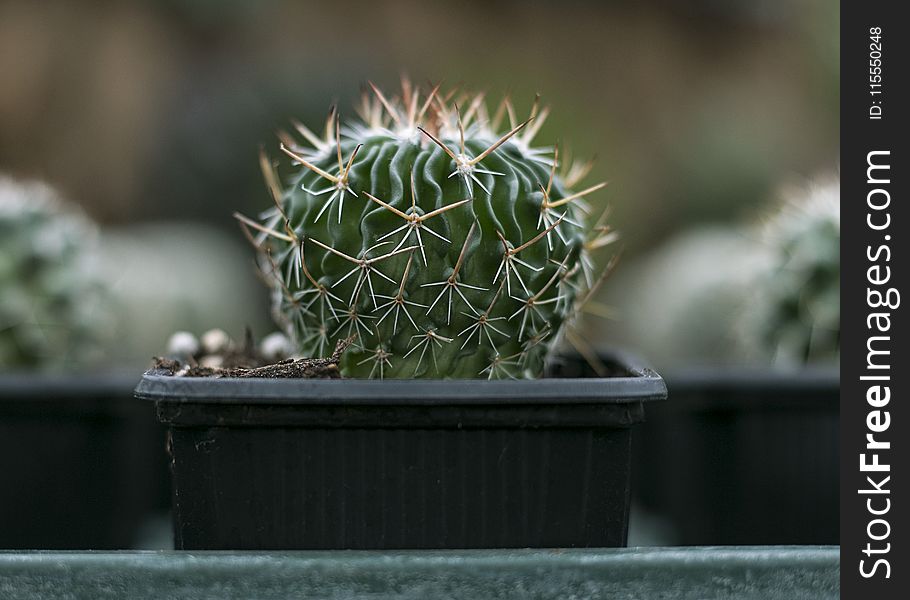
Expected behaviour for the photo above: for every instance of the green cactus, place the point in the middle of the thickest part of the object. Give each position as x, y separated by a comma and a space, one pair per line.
51, 312
797, 316
449, 246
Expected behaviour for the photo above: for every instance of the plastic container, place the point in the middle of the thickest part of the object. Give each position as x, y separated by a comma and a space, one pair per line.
744, 456
81, 463
401, 464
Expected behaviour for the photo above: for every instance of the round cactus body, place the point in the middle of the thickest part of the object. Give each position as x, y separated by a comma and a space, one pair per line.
448, 246
797, 318
52, 313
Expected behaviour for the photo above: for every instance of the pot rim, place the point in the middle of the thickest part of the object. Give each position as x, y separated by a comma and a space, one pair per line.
642, 384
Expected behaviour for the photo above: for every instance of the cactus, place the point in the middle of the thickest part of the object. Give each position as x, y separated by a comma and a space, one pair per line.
446, 243
51, 312
796, 319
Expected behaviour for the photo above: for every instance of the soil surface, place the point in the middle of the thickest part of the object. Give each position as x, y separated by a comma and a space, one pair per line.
246, 363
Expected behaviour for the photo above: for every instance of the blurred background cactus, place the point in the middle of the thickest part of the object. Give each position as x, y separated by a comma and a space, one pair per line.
434, 232
684, 300
794, 307
765, 291
54, 306
174, 276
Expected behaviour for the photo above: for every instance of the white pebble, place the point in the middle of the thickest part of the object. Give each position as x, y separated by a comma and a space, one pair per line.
215, 341
183, 344
275, 346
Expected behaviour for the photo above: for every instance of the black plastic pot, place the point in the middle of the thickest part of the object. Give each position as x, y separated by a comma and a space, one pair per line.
744, 457
81, 463
358, 464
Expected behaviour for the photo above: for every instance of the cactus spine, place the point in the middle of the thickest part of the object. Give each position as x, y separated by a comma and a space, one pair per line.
447, 243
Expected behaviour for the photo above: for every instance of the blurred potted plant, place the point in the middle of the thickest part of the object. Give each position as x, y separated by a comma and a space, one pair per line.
451, 255
74, 452
749, 454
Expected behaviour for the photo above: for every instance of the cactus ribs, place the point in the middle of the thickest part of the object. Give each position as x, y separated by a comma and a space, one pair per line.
433, 232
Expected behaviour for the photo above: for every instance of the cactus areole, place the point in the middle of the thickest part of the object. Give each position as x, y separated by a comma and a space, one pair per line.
432, 231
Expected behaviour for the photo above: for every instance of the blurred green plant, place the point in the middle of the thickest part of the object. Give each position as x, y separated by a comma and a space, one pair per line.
679, 304
796, 313
741, 295
52, 311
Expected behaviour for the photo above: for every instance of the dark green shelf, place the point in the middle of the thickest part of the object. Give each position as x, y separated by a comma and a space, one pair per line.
703, 572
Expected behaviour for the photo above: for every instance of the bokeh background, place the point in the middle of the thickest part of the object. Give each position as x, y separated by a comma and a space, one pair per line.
703, 115
149, 115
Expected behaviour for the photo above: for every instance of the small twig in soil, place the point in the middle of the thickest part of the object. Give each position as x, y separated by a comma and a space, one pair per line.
299, 368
